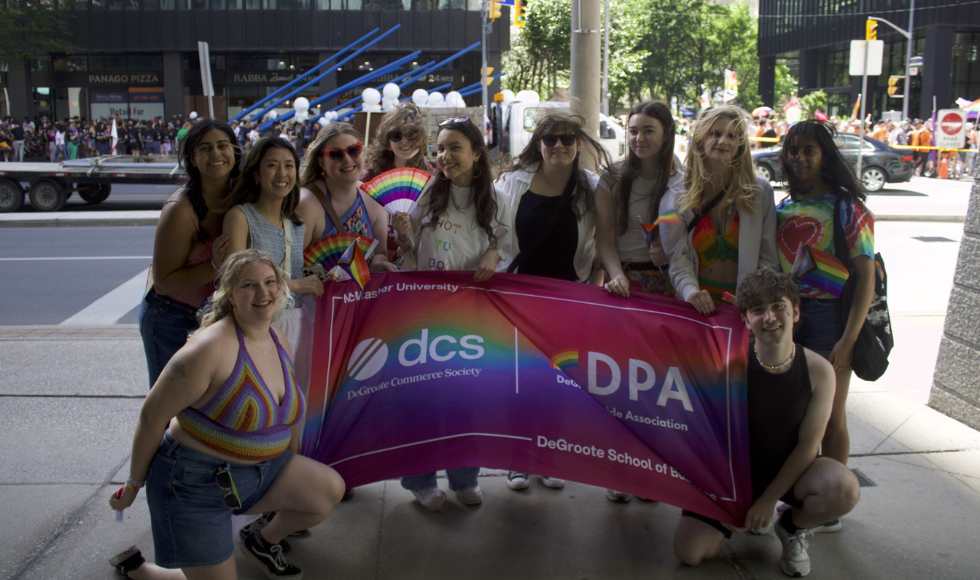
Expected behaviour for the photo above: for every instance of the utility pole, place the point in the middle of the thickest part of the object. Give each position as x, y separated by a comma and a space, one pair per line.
605, 61
585, 63
908, 34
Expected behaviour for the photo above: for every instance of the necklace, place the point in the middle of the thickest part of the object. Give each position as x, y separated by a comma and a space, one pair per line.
264, 351
771, 368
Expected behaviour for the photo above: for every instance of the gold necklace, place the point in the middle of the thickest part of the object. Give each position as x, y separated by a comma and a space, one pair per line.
264, 351
771, 368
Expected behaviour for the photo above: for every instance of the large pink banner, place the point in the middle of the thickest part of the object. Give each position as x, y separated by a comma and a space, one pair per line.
427, 371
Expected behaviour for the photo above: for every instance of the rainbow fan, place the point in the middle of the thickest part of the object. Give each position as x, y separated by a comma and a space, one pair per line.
398, 190
326, 252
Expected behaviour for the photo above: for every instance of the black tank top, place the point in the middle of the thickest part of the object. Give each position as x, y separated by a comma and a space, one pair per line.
554, 256
777, 404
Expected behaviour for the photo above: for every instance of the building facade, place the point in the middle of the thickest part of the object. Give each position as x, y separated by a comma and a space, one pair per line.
139, 58
816, 36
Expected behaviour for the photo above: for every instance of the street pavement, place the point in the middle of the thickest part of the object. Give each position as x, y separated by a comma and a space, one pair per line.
70, 397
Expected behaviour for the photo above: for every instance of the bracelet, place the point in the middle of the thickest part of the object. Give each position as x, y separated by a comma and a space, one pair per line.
133, 484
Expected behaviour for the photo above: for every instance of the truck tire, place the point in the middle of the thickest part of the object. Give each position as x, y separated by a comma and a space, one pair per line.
47, 195
96, 194
11, 196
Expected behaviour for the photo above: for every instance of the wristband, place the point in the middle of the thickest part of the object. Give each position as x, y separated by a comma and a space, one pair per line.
133, 484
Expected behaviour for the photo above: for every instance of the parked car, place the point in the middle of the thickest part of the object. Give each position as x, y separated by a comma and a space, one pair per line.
881, 164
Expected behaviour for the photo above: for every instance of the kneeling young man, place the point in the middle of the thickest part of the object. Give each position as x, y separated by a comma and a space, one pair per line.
790, 395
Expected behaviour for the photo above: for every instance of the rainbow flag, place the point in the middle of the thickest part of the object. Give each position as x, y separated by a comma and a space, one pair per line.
354, 263
398, 190
563, 361
327, 251
818, 269
669, 217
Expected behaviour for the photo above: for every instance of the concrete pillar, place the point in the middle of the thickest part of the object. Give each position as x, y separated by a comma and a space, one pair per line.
19, 90
585, 71
328, 84
955, 386
937, 75
767, 80
173, 85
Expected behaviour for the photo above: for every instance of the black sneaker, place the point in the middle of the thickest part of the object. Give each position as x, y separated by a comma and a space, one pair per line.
258, 525
127, 561
269, 558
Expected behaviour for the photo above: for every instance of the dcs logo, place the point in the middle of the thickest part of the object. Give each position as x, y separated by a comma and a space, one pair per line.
367, 359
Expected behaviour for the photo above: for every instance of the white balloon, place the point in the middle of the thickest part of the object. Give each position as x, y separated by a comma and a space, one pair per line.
388, 104
300, 116
332, 115
193, 115
420, 97
508, 96
371, 96
454, 99
528, 97
436, 99
301, 104
391, 91
272, 114
324, 121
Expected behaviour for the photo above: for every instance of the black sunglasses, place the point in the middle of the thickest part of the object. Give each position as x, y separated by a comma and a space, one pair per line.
225, 482
354, 151
551, 140
454, 120
397, 136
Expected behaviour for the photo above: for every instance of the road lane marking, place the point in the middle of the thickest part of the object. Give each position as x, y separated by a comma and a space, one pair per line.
114, 305
66, 258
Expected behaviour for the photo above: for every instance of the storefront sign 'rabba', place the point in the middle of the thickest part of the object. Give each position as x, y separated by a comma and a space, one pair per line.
427, 371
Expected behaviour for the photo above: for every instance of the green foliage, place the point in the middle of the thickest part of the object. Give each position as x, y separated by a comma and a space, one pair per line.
32, 29
658, 49
813, 101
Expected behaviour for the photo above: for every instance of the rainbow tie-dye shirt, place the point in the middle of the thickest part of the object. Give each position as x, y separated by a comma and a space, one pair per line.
811, 222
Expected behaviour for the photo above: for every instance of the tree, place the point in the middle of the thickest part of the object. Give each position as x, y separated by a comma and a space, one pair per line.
541, 56
33, 29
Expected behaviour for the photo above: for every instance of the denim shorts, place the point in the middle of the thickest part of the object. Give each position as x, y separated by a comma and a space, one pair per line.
164, 326
820, 325
191, 525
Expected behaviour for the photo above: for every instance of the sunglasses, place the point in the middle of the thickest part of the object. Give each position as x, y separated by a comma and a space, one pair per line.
454, 120
397, 136
225, 482
354, 151
551, 140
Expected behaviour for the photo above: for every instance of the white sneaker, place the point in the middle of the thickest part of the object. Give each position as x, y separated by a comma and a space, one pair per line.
618, 496
552, 482
517, 480
827, 528
794, 560
470, 495
431, 498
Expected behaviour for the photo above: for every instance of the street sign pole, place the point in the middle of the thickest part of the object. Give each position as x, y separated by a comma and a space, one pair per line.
864, 104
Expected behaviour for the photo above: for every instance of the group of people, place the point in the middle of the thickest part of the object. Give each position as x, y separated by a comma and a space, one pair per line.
227, 402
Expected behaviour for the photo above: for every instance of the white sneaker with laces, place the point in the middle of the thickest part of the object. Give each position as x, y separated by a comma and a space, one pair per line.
618, 496
470, 495
517, 480
794, 561
431, 498
552, 482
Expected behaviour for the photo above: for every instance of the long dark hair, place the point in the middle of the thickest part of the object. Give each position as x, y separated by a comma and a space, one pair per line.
629, 169
439, 197
188, 146
835, 171
248, 190
564, 124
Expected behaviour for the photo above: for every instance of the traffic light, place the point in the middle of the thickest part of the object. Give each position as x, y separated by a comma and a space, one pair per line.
493, 10
520, 6
893, 84
488, 76
871, 30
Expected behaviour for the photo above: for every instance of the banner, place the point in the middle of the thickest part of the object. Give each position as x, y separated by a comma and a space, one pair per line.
426, 371
731, 86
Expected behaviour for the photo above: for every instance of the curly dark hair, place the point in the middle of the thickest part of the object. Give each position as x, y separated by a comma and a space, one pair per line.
627, 171
407, 120
564, 124
248, 190
439, 197
834, 171
188, 146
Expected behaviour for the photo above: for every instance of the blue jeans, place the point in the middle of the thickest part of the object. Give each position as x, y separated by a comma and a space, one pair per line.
164, 326
191, 525
153, 147
820, 325
459, 478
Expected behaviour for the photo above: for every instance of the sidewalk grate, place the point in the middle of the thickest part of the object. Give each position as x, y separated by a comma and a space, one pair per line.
863, 479
933, 239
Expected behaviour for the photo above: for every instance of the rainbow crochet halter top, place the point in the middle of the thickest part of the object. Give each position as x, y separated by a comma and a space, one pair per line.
243, 420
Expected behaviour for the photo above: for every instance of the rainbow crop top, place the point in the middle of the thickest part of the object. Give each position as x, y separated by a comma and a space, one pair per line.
711, 248
242, 420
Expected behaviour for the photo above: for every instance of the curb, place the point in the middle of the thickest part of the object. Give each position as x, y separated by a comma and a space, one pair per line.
951, 219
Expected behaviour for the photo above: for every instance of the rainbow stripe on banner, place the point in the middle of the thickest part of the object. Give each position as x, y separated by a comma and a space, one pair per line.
327, 251
355, 265
564, 361
819, 269
669, 217
398, 190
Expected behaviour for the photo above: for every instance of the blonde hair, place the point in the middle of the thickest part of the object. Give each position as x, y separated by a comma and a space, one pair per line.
231, 272
311, 166
743, 189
